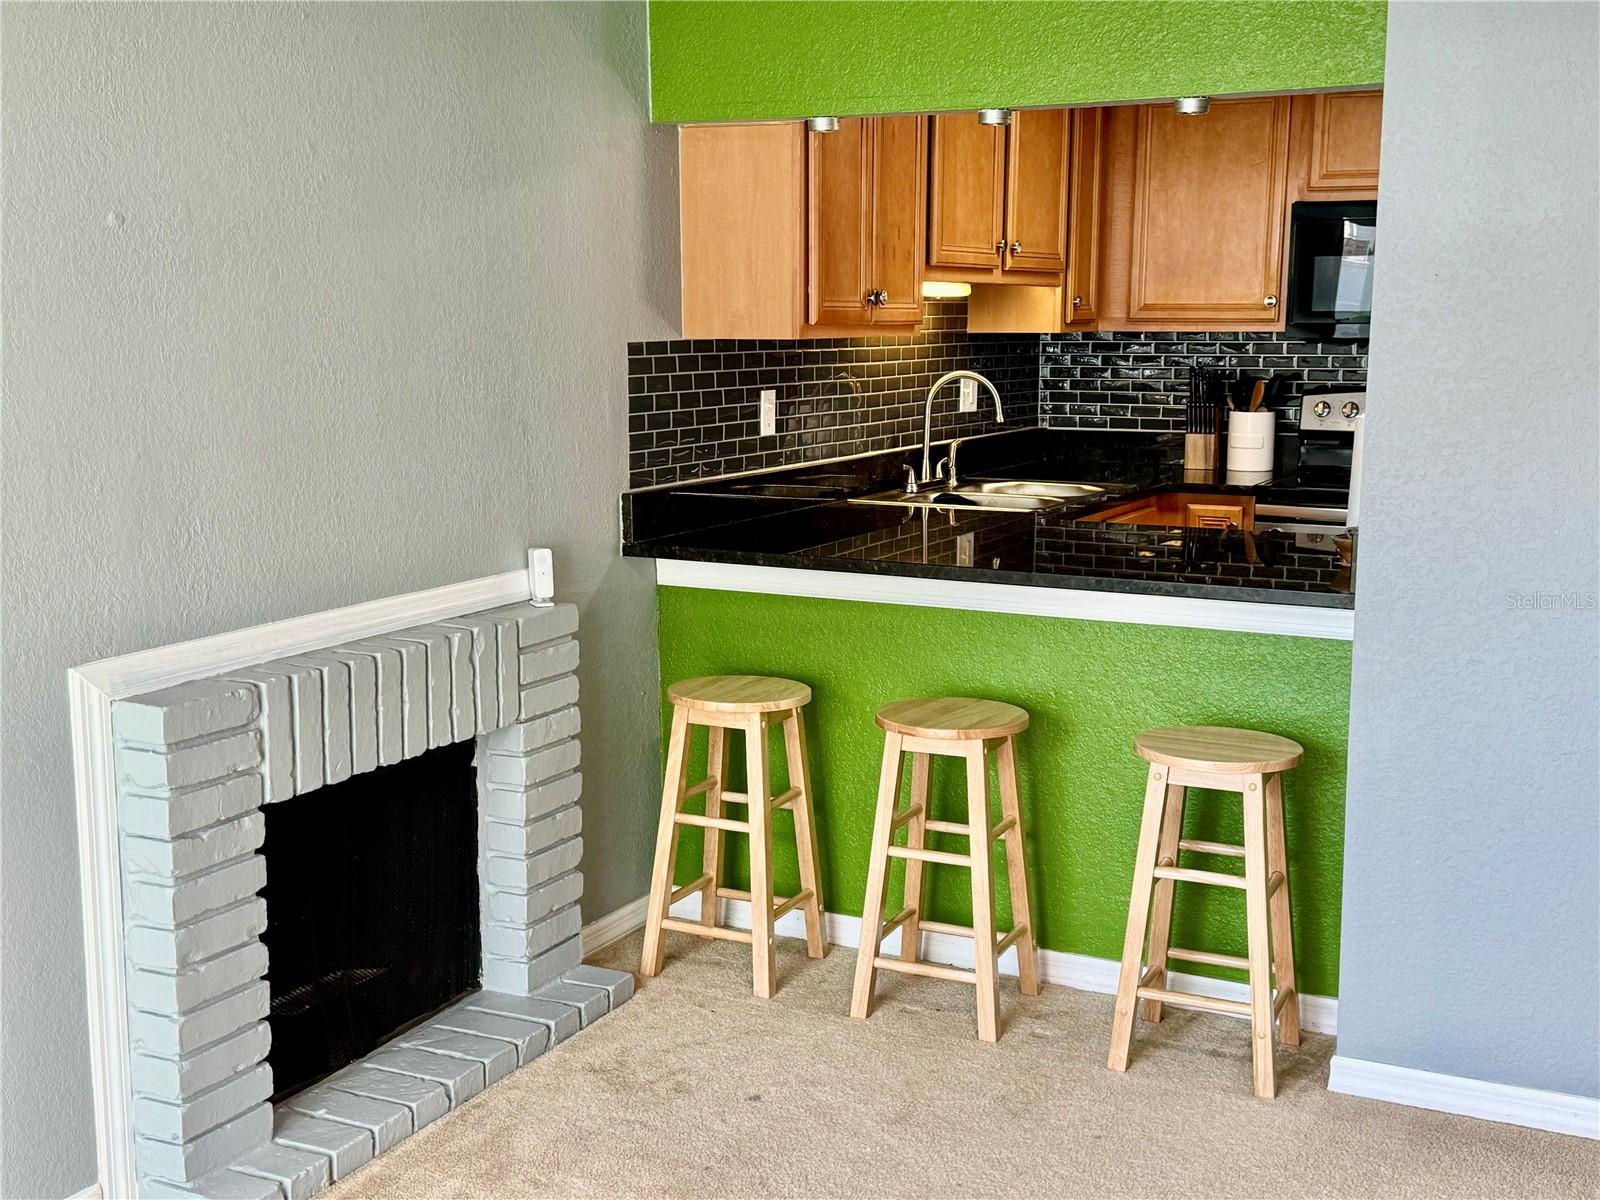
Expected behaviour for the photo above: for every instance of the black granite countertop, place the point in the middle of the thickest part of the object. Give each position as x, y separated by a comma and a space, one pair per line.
807, 516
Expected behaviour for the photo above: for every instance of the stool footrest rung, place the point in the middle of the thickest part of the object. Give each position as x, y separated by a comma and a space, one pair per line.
793, 902
1282, 998
1227, 849
1209, 957
707, 931
952, 827
713, 822
688, 889
931, 970
894, 922
705, 785
942, 927
1274, 882
784, 799
1010, 939
902, 819
1233, 1008
1191, 875
930, 856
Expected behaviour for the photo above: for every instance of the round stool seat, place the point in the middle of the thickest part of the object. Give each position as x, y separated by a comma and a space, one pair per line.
1214, 748
739, 693
953, 718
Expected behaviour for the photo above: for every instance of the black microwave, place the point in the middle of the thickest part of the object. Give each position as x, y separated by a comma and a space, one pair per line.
1331, 255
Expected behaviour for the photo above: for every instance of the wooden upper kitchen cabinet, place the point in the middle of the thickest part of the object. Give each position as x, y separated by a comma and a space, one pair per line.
1335, 145
997, 197
1206, 210
1079, 308
791, 234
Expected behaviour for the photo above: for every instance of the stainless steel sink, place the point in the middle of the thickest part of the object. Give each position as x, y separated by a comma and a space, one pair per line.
1034, 487
1019, 495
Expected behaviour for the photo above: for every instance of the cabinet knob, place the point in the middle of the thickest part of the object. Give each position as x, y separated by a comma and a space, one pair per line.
999, 248
1077, 302
1016, 247
876, 296
1270, 301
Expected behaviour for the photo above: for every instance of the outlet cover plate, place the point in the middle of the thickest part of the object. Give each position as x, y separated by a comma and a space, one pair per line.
969, 395
769, 413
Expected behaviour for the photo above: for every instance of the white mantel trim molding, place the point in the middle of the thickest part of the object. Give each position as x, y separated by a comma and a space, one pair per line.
91, 690
1243, 616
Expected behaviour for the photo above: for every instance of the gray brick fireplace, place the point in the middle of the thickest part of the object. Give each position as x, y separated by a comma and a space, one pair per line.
196, 766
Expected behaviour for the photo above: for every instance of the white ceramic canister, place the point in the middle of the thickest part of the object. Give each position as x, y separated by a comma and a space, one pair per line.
1250, 438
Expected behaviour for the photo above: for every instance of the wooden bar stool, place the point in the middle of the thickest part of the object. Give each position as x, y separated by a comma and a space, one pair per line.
1226, 760
971, 730
752, 704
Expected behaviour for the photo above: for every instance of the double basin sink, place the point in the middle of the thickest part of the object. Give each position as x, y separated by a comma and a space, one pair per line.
1016, 495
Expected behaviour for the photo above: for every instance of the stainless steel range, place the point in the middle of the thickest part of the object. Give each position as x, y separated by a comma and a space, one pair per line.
1317, 489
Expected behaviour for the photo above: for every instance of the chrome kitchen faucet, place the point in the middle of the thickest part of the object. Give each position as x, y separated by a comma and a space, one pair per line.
927, 413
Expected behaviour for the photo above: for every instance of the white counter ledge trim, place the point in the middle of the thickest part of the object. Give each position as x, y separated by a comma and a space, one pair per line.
1183, 612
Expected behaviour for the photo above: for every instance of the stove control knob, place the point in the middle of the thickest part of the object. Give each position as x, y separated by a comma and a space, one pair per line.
1351, 410
1322, 408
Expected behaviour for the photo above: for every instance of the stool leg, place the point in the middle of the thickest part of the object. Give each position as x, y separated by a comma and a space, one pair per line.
711, 857
877, 876
982, 893
672, 788
1257, 932
1017, 868
917, 836
1161, 906
1282, 935
1144, 865
805, 829
759, 792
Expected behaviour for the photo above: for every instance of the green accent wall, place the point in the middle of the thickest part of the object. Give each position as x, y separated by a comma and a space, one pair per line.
757, 60
1089, 686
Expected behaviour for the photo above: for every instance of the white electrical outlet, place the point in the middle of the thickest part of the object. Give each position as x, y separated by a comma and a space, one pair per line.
969, 395
769, 412
964, 549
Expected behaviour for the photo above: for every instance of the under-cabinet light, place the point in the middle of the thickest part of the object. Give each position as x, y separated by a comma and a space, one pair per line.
1192, 106
938, 289
822, 124
994, 116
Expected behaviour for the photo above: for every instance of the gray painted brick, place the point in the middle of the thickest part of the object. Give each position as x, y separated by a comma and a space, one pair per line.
173, 1037
592, 1003
521, 804
182, 712
561, 1019
191, 852
389, 675
528, 941
436, 691
534, 734
528, 1037
300, 1173
175, 1078
513, 907
525, 874
618, 984
363, 708
461, 1078
336, 755
463, 708
500, 837
388, 1123
275, 704
179, 992
425, 1100
184, 1162
188, 764
521, 975
219, 1185
305, 697
188, 897
508, 679
524, 770
346, 1146
181, 1122
497, 1058
166, 815
485, 670
535, 624
173, 949
546, 697
546, 662
414, 733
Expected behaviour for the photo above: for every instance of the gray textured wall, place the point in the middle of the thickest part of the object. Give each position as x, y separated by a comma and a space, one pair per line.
303, 306
1470, 898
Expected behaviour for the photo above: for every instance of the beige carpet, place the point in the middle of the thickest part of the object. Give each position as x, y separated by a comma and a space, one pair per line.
694, 1088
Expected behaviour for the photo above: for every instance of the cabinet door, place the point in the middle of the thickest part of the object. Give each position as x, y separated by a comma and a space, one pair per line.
1208, 214
967, 192
1036, 190
1083, 220
1214, 516
839, 224
899, 165
1345, 132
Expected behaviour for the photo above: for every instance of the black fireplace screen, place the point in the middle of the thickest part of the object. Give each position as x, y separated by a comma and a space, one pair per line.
372, 910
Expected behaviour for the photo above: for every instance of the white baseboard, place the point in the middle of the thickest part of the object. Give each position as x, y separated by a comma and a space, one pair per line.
1318, 1014
92, 1192
1555, 1111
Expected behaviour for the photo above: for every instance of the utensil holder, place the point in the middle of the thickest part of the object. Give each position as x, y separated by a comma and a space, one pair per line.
1250, 440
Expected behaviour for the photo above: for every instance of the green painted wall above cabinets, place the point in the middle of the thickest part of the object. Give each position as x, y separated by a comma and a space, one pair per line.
1089, 687
743, 60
